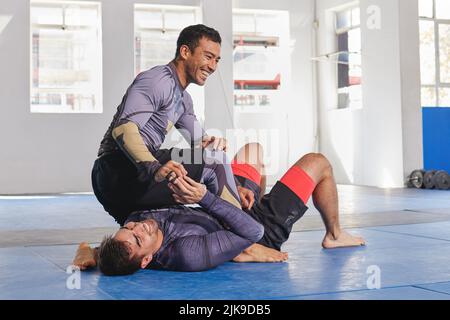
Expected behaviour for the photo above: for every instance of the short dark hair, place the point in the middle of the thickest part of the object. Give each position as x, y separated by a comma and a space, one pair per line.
190, 36
114, 258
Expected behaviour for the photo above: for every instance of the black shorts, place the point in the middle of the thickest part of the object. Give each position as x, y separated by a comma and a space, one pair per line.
117, 188
277, 212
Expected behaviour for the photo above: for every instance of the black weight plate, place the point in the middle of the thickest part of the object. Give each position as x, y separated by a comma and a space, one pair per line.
428, 179
441, 180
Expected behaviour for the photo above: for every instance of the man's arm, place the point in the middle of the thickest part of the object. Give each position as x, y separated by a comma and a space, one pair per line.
236, 220
143, 99
188, 191
129, 139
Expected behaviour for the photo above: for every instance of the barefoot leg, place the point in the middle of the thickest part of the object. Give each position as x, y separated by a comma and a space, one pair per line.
259, 253
325, 198
344, 239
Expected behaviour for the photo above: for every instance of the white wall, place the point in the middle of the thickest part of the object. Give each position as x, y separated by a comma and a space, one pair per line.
378, 144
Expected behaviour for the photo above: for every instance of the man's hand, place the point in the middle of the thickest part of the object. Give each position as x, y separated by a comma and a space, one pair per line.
247, 197
172, 168
186, 190
85, 257
259, 253
217, 143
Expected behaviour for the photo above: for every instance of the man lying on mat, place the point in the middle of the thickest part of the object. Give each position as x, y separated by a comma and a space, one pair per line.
182, 238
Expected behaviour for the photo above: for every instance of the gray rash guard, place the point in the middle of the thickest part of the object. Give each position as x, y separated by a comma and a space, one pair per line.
195, 239
153, 103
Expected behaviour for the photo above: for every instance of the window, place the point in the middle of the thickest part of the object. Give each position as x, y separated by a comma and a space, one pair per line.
434, 26
348, 58
66, 73
156, 30
259, 57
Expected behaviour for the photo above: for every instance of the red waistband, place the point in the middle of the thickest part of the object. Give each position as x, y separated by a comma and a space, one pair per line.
247, 171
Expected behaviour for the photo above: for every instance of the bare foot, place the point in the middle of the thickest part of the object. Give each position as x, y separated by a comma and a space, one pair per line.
85, 257
259, 253
344, 239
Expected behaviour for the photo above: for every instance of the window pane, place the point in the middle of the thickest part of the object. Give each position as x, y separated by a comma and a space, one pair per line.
77, 16
343, 19
265, 22
148, 19
443, 9
427, 53
354, 40
259, 57
444, 97
243, 22
179, 19
356, 17
46, 15
153, 47
426, 8
444, 52
428, 97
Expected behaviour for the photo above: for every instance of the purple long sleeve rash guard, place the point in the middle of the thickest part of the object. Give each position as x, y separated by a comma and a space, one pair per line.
195, 239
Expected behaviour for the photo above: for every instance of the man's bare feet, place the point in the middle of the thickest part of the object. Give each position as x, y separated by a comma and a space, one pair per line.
85, 257
344, 239
259, 253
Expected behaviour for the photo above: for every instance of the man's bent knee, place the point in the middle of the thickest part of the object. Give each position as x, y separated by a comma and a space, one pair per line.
316, 165
252, 154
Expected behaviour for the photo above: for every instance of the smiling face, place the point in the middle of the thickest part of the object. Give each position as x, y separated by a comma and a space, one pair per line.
142, 239
201, 63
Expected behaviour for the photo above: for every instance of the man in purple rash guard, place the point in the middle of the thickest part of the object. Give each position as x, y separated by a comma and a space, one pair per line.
182, 238
131, 169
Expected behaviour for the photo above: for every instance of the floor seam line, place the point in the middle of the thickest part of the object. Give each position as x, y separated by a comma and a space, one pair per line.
356, 290
427, 289
409, 234
47, 260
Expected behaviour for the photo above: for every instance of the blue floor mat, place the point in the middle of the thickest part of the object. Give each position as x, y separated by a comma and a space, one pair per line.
438, 230
404, 261
403, 293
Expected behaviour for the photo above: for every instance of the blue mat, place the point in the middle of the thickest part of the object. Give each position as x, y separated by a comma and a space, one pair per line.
411, 266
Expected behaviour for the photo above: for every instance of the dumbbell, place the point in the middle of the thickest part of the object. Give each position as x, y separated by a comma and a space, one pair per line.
441, 180
415, 180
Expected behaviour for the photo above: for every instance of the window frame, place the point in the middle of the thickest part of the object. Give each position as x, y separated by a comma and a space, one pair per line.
98, 94
262, 94
338, 32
